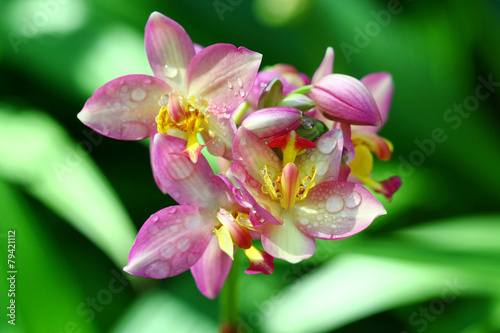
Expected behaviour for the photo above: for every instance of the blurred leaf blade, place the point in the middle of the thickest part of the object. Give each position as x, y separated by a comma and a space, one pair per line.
38, 154
49, 302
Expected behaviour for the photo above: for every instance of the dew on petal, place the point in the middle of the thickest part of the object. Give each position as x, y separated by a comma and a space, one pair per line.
158, 269
147, 80
216, 147
138, 95
180, 171
321, 168
304, 220
240, 83
183, 244
326, 145
134, 130
163, 101
109, 90
153, 229
334, 204
229, 85
193, 222
171, 71
167, 251
154, 218
242, 93
354, 200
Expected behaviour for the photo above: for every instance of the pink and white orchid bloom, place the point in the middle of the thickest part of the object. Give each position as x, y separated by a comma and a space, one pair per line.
300, 197
201, 232
190, 92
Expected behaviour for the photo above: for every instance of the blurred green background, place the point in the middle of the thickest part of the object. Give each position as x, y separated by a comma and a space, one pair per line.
76, 199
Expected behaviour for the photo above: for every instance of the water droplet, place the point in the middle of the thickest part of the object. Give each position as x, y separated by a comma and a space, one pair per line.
192, 259
216, 147
134, 130
171, 71
334, 204
154, 218
242, 93
321, 168
193, 222
326, 145
183, 244
138, 94
153, 229
354, 200
109, 90
158, 269
163, 101
229, 85
167, 251
240, 83
124, 88
147, 80
180, 167
304, 220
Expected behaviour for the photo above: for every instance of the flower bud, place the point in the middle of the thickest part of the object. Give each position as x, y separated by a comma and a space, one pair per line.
271, 94
272, 122
345, 99
298, 101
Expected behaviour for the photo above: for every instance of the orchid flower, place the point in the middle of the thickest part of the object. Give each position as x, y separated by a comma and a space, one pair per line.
190, 92
300, 197
201, 232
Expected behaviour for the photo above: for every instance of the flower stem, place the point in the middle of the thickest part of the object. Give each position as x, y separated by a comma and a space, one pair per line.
229, 299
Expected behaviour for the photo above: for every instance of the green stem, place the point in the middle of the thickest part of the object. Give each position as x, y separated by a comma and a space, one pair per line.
229, 299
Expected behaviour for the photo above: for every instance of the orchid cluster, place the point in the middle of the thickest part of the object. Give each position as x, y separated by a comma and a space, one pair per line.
293, 154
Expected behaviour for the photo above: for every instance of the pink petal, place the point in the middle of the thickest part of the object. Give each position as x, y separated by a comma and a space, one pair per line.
239, 235
197, 47
389, 187
264, 209
287, 242
326, 157
378, 145
260, 261
253, 154
336, 210
211, 271
326, 67
170, 241
272, 122
186, 182
169, 50
125, 108
219, 135
227, 195
381, 86
345, 99
223, 75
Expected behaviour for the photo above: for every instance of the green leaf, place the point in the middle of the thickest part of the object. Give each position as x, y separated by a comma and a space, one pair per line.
37, 154
159, 311
47, 293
